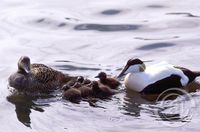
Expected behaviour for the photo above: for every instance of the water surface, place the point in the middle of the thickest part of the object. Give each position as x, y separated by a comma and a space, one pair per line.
83, 37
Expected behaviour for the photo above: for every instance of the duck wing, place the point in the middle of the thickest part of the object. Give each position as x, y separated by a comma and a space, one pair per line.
44, 74
35, 65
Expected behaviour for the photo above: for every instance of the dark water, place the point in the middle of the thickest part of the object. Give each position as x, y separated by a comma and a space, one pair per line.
83, 37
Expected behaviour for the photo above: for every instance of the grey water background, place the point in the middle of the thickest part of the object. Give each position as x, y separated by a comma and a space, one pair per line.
83, 37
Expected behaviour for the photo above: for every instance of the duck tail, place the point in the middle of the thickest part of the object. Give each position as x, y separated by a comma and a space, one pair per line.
197, 73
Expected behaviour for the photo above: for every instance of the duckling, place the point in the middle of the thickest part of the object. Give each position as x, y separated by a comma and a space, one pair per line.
75, 82
71, 94
80, 79
85, 90
101, 91
82, 82
36, 77
108, 81
82, 85
77, 85
87, 82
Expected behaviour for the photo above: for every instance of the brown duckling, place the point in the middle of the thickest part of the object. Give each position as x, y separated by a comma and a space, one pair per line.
87, 81
85, 91
75, 82
80, 79
36, 77
71, 94
82, 82
77, 85
82, 85
101, 91
108, 81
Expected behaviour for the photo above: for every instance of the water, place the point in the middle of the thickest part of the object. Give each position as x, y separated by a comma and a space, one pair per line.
83, 37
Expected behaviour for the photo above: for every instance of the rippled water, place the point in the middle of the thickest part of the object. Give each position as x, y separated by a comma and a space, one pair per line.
83, 37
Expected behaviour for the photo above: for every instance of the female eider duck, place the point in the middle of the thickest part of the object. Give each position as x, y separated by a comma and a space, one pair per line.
155, 78
108, 81
36, 77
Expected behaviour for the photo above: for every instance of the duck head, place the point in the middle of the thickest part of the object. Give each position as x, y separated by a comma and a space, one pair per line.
101, 76
24, 65
65, 87
80, 79
95, 86
133, 66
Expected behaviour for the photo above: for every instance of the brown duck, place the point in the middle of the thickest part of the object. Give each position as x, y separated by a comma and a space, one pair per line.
101, 91
36, 77
71, 94
80, 85
108, 81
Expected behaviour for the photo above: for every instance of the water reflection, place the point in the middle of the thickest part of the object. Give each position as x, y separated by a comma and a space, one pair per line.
111, 12
166, 38
132, 101
156, 6
187, 14
134, 104
24, 104
155, 46
75, 68
108, 27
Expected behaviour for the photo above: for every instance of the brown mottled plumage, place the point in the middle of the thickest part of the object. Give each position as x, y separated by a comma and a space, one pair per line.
36, 77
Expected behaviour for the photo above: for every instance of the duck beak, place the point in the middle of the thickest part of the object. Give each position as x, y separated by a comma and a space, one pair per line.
27, 69
96, 76
123, 71
142, 67
148, 61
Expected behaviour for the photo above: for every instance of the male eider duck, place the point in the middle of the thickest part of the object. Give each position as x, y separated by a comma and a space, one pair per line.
108, 81
155, 78
36, 77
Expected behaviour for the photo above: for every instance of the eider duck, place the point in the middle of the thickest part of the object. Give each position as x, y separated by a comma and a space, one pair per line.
71, 94
85, 90
101, 91
155, 78
83, 86
108, 81
75, 82
87, 81
36, 77
83, 81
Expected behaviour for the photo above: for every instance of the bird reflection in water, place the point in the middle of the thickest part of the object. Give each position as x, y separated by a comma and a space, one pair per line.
133, 103
24, 104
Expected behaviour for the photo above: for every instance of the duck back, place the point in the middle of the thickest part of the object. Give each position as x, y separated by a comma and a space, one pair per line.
139, 81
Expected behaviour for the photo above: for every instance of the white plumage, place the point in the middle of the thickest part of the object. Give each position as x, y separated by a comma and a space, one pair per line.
137, 81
